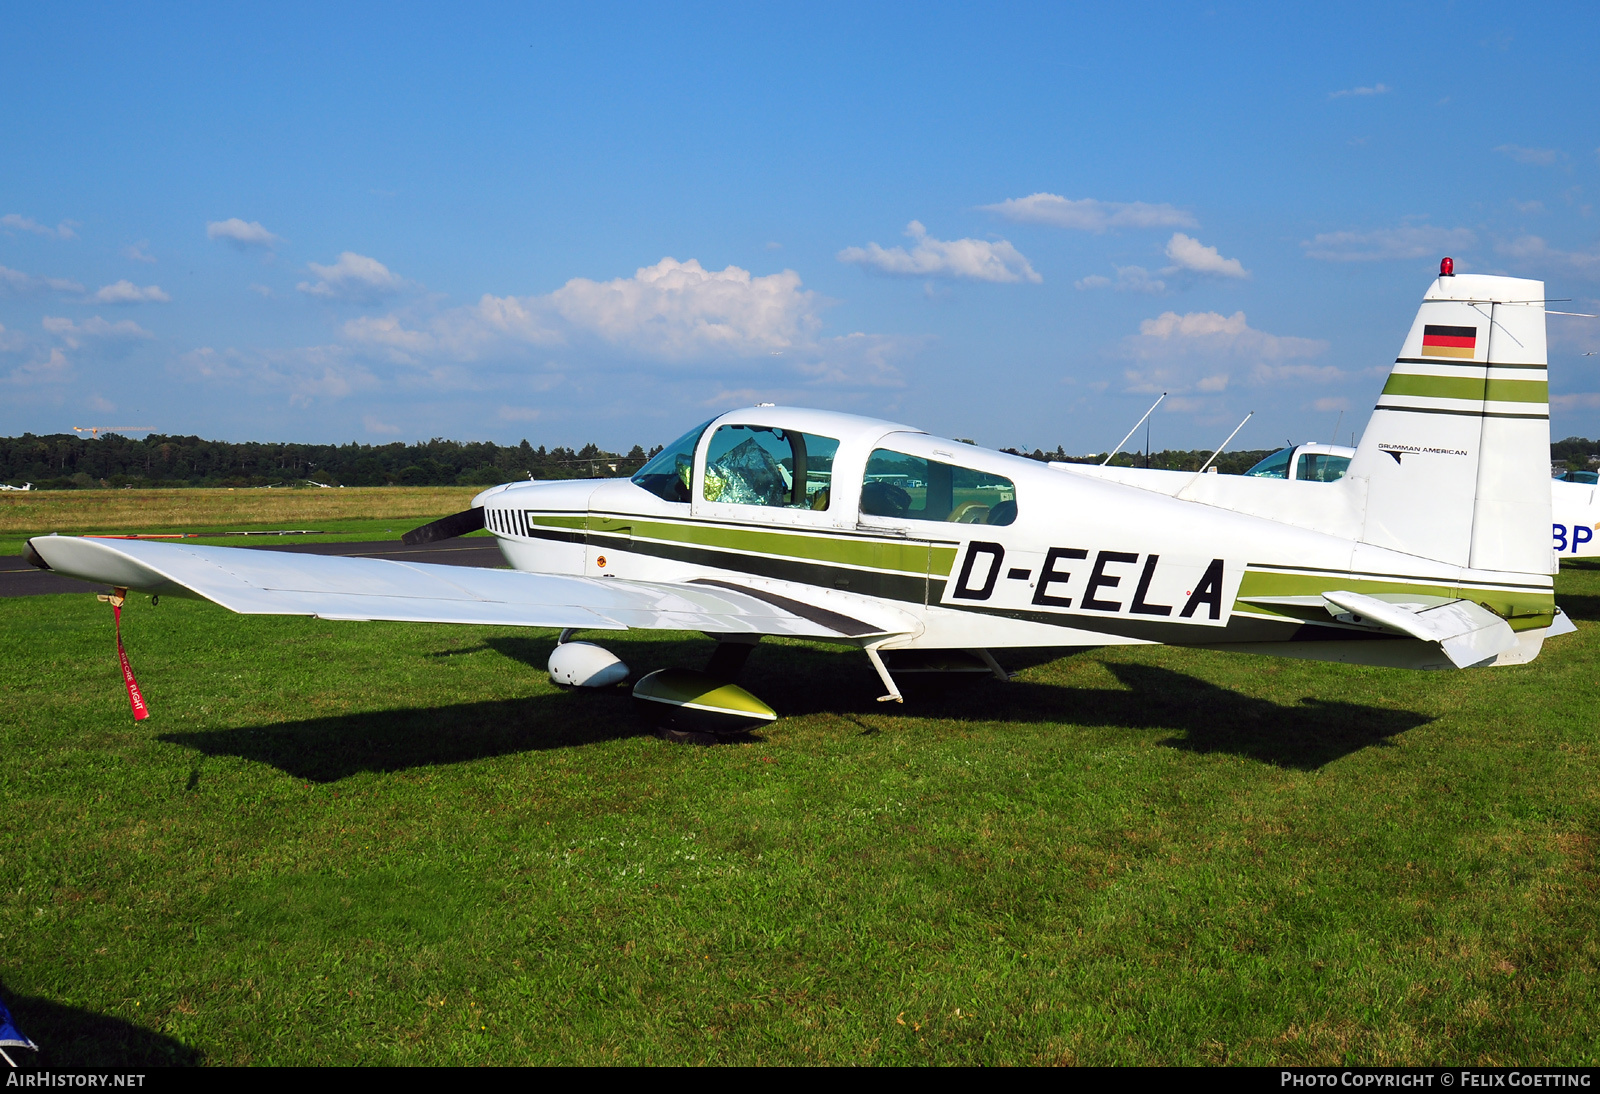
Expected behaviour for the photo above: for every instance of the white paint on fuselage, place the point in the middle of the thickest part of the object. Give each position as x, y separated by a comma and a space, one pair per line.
1089, 513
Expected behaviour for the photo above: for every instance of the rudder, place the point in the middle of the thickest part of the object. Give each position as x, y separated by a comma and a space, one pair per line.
1455, 460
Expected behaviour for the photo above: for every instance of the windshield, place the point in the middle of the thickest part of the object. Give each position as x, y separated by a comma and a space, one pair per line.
667, 474
1275, 466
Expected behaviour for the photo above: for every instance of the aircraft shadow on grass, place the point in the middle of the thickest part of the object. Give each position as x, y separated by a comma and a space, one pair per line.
1576, 605
76, 1039
799, 681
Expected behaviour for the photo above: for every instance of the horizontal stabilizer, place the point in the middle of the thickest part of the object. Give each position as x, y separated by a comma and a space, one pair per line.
1468, 633
254, 582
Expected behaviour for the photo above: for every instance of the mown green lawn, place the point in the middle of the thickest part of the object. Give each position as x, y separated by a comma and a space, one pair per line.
381, 843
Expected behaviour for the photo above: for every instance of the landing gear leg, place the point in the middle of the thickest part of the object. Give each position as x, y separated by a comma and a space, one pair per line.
994, 666
888, 681
727, 660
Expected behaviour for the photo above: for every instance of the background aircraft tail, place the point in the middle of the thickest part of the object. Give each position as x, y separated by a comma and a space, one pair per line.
1455, 461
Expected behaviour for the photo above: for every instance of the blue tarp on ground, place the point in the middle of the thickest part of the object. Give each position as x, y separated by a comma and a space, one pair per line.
10, 1035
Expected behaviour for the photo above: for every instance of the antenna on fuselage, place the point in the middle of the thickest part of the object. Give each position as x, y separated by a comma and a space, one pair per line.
1134, 430
1215, 454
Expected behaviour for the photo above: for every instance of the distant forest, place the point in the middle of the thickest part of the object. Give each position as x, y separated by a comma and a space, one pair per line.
68, 462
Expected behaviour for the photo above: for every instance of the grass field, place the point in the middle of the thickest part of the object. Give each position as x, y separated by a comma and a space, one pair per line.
383, 843
352, 512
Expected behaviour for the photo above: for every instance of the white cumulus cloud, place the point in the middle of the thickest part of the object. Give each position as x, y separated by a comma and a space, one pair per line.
675, 314
1383, 244
353, 277
1128, 279
1190, 254
1360, 92
241, 233
1091, 215
18, 222
1540, 157
972, 259
75, 334
126, 292
1533, 253
672, 311
16, 281
55, 368
303, 375
1199, 350
679, 308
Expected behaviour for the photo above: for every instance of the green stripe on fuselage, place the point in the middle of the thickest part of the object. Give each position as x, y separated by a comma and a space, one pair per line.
716, 544
1475, 389
908, 556
577, 521
1524, 609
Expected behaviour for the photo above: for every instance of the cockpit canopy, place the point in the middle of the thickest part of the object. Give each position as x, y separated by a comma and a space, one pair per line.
785, 458
1305, 463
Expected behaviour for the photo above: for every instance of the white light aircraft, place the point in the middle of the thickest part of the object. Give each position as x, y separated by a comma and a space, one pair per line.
1574, 498
1430, 553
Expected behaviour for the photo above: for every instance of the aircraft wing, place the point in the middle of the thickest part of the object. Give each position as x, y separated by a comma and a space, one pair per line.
255, 582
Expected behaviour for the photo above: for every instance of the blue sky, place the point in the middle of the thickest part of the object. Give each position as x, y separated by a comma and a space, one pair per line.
604, 223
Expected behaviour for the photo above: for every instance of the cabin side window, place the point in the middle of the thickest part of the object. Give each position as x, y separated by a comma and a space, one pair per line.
667, 474
761, 465
1321, 467
900, 485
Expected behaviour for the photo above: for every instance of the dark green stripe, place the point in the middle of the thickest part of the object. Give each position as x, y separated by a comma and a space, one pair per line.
1283, 570
1460, 413
906, 588
1463, 364
911, 556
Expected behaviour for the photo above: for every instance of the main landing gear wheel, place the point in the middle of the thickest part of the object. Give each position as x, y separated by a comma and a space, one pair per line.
695, 707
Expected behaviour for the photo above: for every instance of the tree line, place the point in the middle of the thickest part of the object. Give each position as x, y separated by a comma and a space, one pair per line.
1229, 463
66, 461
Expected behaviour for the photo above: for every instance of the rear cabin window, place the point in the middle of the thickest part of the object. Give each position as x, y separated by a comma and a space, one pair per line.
761, 465
898, 485
1321, 467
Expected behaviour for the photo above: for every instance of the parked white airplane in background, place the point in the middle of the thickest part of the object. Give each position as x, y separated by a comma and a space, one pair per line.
1430, 553
1574, 497
25, 486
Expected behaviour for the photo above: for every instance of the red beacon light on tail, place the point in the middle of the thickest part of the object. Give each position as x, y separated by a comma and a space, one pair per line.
1447, 267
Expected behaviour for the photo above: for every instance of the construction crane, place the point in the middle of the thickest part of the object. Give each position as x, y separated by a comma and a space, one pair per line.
96, 430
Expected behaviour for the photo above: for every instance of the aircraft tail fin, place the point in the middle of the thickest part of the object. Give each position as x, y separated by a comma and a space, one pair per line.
1456, 458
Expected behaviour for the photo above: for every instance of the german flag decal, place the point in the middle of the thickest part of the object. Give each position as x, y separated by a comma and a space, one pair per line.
1440, 341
